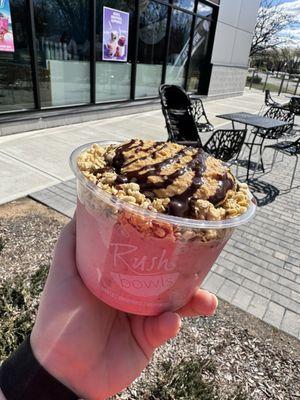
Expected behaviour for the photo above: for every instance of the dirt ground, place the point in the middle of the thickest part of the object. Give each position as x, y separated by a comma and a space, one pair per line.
28, 232
230, 356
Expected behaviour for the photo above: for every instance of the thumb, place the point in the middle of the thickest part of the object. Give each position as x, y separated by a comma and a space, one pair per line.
159, 329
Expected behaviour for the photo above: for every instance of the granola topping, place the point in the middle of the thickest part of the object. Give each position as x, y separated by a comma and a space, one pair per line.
166, 177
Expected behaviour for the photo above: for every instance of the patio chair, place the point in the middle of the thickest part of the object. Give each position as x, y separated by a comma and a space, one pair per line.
270, 102
294, 105
185, 118
273, 133
282, 115
225, 144
200, 116
290, 148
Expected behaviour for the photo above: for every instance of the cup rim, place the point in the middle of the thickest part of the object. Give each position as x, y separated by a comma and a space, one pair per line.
178, 221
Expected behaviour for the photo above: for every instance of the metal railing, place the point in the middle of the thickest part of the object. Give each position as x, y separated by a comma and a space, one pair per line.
277, 82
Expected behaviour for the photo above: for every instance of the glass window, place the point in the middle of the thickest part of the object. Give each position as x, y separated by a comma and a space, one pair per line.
186, 4
62, 32
16, 90
113, 77
151, 48
199, 53
204, 11
178, 48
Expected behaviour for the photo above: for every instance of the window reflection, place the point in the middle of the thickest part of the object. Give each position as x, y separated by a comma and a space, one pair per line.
151, 48
16, 89
178, 48
199, 53
204, 10
113, 77
62, 31
186, 4
215, 1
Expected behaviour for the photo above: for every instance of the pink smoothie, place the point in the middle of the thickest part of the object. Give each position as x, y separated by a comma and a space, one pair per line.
139, 274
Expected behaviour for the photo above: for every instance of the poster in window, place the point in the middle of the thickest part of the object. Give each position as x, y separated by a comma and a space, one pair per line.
6, 32
115, 35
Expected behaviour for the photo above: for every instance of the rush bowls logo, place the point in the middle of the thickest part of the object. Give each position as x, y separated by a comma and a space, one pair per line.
142, 275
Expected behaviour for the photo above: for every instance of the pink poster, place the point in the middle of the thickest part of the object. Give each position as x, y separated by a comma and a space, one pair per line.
6, 32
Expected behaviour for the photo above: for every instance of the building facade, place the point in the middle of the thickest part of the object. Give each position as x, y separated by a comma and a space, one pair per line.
62, 54
230, 56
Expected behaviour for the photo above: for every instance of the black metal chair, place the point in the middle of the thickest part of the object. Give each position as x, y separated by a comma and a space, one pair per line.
200, 116
185, 118
290, 148
270, 102
294, 105
282, 115
273, 133
226, 144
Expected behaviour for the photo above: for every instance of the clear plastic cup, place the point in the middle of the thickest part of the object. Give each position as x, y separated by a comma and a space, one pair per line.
139, 261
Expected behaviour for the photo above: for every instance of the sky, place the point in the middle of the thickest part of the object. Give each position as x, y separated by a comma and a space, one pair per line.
292, 7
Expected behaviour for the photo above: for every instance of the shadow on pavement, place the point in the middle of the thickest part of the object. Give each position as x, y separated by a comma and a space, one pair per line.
264, 192
252, 165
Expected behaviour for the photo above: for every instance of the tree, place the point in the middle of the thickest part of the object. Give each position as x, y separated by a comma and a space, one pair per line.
271, 20
285, 59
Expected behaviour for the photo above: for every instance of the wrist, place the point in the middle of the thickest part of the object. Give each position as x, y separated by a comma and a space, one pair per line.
60, 362
22, 377
53, 361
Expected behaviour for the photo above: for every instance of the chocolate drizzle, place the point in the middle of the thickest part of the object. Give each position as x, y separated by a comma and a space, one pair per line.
155, 170
225, 184
181, 204
119, 158
121, 179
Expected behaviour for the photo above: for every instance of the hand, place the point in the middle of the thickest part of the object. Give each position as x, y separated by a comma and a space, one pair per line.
90, 347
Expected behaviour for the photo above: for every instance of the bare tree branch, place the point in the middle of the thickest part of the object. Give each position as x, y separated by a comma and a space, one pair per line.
271, 20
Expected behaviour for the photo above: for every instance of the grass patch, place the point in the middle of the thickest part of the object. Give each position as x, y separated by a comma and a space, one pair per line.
272, 87
185, 381
190, 379
19, 299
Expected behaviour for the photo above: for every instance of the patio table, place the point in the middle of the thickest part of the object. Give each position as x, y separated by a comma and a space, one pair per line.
256, 121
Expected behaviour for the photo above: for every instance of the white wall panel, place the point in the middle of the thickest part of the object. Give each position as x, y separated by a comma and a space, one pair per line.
241, 48
248, 15
229, 11
223, 44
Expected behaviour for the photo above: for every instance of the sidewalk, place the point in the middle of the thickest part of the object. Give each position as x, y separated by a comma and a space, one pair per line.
39, 159
259, 269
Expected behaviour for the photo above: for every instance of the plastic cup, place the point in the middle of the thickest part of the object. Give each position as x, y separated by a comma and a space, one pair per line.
139, 261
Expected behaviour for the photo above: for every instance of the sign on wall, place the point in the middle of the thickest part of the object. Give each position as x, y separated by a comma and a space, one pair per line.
115, 35
6, 32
